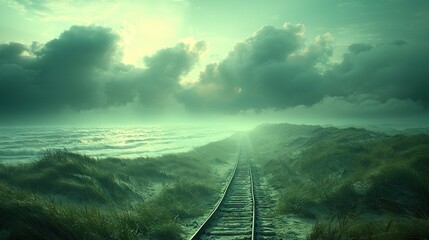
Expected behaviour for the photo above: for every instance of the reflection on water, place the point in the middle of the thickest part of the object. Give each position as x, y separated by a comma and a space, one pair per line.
23, 144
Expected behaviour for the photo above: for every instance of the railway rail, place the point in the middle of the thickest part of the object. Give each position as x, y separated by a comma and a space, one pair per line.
235, 214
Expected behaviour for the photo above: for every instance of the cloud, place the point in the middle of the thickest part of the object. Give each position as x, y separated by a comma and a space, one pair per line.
275, 69
160, 81
11, 52
39, 6
62, 73
69, 66
399, 42
357, 48
271, 69
81, 70
350, 110
363, 106
385, 71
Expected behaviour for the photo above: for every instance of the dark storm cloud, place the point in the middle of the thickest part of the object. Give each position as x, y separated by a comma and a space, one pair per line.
17, 77
69, 66
386, 71
160, 83
81, 69
273, 69
11, 52
62, 73
359, 107
359, 47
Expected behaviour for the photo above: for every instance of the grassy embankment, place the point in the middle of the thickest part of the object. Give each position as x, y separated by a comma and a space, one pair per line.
70, 196
357, 184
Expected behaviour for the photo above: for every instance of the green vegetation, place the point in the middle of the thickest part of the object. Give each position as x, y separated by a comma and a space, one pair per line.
357, 184
358, 176
65, 195
25, 215
379, 229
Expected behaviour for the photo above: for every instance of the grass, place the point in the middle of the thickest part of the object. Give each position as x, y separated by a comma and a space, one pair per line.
65, 195
30, 216
346, 173
393, 228
185, 199
76, 177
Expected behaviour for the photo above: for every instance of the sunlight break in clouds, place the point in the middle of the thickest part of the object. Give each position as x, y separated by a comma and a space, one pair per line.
141, 31
132, 62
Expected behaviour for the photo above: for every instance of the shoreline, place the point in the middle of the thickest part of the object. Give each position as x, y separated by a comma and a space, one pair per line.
305, 170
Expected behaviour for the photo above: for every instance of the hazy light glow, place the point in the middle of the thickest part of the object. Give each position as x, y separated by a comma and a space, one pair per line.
153, 61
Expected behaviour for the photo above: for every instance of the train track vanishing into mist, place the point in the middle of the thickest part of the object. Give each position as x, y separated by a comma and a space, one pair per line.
239, 212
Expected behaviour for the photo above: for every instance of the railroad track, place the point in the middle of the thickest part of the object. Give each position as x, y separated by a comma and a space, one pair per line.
235, 214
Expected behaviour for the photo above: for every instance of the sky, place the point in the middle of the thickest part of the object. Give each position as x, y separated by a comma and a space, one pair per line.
132, 62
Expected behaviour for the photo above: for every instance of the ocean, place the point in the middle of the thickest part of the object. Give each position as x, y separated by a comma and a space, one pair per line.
24, 144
